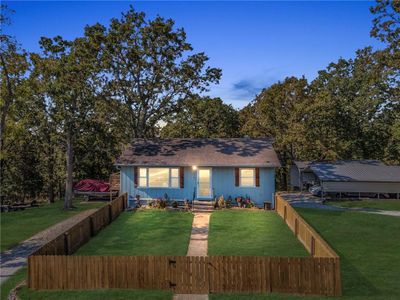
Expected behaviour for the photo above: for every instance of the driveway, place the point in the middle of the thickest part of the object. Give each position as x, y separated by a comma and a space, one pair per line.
307, 200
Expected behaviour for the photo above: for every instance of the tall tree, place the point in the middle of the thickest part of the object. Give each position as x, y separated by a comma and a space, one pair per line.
352, 107
278, 111
386, 28
151, 68
203, 117
70, 72
386, 24
13, 69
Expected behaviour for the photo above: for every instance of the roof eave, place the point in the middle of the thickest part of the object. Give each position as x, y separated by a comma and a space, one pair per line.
198, 165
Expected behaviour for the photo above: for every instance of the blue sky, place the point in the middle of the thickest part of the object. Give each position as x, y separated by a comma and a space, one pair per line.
254, 43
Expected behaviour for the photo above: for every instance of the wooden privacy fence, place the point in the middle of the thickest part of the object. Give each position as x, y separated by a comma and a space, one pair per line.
311, 240
70, 240
188, 274
51, 268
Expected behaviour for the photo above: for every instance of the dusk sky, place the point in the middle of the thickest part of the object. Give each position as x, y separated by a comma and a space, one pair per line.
254, 43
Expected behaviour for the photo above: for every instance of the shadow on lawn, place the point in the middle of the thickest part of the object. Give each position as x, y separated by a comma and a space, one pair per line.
355, 284
144, 232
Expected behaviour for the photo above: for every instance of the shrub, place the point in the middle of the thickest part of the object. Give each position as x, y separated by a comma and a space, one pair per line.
215, 202
221, 201
228, 203
187, 204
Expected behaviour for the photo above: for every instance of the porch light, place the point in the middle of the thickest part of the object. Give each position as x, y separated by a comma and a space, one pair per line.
194, 168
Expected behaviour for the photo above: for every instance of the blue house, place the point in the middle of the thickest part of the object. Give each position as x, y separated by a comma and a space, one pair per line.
199, 169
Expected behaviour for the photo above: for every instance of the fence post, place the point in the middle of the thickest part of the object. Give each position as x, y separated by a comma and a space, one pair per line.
284, 213
29, 277
91, 226
312, 246
66, 243
110, 214
338, 283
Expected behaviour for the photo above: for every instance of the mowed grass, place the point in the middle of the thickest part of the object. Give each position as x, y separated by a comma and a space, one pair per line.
375, 204
18, 226
144, 232
368, 246
251, 232
100, 294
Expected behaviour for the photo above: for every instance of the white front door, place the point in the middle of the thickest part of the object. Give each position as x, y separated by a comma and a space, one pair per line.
204, 186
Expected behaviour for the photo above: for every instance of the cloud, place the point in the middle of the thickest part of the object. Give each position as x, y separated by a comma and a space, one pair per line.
247, 86
240, 91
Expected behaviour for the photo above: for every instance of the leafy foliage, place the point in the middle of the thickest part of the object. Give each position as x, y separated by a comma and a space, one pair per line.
202, 118
150, 68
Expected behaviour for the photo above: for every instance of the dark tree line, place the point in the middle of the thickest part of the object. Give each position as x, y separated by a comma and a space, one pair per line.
67, 111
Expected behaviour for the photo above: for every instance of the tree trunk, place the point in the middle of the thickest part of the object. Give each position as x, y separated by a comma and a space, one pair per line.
50, 170
51, 192
69, 180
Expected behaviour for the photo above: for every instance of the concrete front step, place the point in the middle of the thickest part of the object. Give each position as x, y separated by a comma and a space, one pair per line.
203, 203
203, 207
197, 210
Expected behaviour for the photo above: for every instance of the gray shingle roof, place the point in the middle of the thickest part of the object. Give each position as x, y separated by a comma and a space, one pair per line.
200, 152
356, 170
302, 164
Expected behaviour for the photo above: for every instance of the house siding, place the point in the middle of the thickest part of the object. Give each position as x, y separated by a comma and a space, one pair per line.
223, 183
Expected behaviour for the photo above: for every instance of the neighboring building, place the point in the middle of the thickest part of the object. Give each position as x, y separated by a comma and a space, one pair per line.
301, 176
199, 169
348, 177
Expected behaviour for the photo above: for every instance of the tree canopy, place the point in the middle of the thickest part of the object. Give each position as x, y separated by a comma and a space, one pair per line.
202, 117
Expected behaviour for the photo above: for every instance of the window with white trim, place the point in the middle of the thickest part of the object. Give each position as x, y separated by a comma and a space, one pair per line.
247, 177
159, 177
142, 177
174, 177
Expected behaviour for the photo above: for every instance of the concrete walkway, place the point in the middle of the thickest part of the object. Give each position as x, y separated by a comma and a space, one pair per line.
198, 246
15, 258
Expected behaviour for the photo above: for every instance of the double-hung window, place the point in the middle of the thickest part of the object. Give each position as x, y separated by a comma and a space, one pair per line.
247, 177
159, 177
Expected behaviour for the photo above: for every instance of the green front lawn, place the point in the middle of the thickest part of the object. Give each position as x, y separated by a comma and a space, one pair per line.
368, 245
251, 232
104, 294
145, 232
376, 204
18, 226
26, 294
